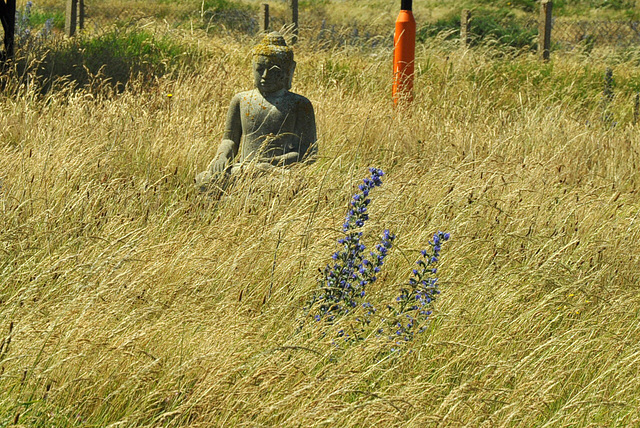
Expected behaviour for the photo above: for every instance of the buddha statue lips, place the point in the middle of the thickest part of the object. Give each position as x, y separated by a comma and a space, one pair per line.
268, 126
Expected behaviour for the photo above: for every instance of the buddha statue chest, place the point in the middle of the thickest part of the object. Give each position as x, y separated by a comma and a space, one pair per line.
270, 124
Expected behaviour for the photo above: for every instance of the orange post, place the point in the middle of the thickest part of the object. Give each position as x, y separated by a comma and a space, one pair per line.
404, 53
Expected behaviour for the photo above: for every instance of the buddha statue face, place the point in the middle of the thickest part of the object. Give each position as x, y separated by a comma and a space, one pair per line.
273, 64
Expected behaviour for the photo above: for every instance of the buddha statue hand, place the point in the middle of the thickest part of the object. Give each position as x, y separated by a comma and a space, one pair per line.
206, 179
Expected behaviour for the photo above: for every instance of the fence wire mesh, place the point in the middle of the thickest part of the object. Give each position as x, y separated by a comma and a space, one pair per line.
571, 33
214, 16
189, 14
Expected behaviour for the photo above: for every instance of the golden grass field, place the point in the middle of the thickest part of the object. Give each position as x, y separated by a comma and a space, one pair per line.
129, 299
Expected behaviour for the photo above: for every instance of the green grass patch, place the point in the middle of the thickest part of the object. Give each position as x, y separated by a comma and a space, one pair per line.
501, 25
525, 5
39, 17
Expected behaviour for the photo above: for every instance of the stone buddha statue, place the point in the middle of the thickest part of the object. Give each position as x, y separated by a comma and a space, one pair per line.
268, 126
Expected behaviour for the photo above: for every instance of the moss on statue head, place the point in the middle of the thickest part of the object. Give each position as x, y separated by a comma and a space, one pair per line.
273, 45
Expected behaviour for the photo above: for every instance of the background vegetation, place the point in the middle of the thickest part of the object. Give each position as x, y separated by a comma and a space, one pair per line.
129, 299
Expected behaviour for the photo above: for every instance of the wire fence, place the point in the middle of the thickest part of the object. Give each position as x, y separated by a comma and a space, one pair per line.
217, 16
190, 14
571, 33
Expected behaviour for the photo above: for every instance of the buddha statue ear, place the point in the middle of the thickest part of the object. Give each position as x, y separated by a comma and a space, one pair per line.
290, 76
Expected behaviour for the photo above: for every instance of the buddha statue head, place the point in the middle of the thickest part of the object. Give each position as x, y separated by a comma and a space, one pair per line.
273, 64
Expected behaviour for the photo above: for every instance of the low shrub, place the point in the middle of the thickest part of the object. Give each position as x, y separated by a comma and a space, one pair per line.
115, 56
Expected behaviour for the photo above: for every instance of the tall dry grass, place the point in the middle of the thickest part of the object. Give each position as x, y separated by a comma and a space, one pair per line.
128, 299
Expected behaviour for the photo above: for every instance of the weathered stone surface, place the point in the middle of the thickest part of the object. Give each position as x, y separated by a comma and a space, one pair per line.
268, 126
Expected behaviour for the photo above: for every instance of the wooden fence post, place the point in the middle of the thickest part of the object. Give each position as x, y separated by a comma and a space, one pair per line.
544, 29
8, 18
81, 14
607, 98
264, 18
465, 27
71, 18
74, 18
294, 20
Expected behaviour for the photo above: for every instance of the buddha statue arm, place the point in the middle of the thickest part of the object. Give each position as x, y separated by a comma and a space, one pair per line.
228, 148
306, 129
282, 160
